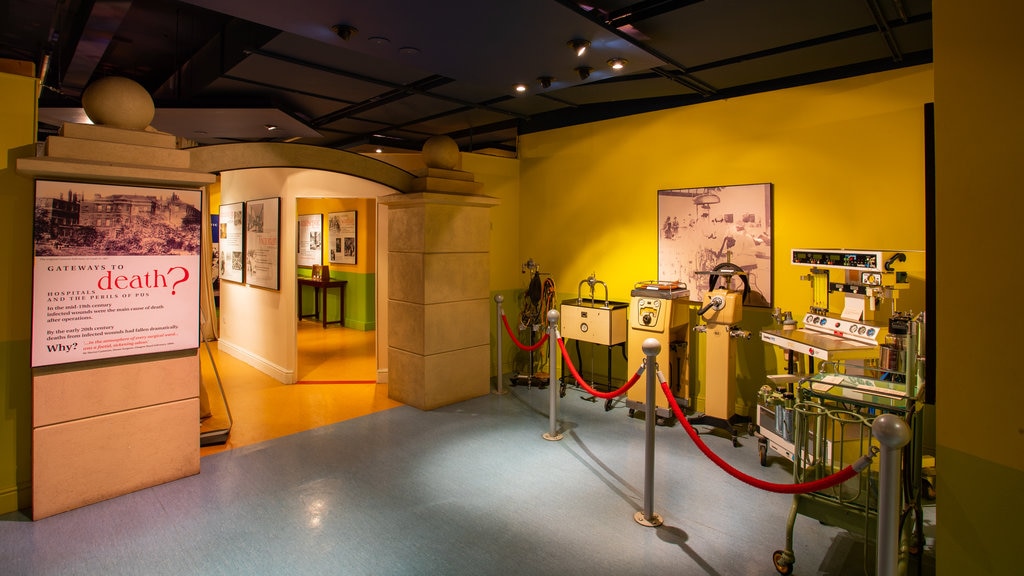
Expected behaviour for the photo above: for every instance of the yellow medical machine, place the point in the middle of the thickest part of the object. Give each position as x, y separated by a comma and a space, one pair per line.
721, 313
659, 310
594, 320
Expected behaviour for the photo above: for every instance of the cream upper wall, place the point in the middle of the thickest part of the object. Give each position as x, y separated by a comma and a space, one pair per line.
850, 152
271, 347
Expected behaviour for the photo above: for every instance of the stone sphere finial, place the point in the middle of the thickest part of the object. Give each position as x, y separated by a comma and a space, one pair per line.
441, 152
118, 102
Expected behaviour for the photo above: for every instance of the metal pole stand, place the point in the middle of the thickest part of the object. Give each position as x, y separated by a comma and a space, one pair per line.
647, 517
552, 434
892, 434
498, 299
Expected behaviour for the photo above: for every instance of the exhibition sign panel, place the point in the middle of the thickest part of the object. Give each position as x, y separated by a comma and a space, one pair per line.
310, 241
116, 271
263, 243
700, 228
342, 236
231, 234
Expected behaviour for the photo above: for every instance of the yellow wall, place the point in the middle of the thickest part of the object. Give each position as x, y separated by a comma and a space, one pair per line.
17, 139
848, 153
980, 401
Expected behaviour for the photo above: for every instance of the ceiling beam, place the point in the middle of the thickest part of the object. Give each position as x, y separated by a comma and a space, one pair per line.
101, 25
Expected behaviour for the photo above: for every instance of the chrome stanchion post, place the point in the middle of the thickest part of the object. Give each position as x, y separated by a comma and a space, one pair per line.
552, 434
647, 517
892, 434
498, 299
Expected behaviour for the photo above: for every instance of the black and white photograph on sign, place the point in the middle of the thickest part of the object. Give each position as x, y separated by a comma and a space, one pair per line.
263, 243
310, 241
231, 237
116, 271
341, 230
701, 228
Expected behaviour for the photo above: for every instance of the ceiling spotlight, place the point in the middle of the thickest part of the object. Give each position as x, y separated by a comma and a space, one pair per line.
618, 63
270, 127
545, 81
520, 88
344, 31
583, 71
579, 45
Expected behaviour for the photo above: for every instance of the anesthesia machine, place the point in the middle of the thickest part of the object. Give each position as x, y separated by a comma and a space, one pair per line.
852, 327
865, 357
659, 310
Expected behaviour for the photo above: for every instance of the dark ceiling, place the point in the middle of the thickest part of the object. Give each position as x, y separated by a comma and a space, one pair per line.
224, 70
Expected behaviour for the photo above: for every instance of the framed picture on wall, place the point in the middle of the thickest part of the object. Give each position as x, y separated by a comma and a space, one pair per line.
231, 242
263, 243
341, 237
700, 228
115, 271
310, 241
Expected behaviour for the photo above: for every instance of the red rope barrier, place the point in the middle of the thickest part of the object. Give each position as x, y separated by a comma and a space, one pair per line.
579, 380
516, 340
802, 488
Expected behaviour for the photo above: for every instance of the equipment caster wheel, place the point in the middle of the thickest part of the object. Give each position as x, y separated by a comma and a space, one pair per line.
659, 421
608, 405
632, 411
781, 564
762, 451
561, 391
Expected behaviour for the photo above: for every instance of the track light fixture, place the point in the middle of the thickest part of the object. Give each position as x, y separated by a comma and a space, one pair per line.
583, 72
618, 63
344, 31
579, 45
545, 81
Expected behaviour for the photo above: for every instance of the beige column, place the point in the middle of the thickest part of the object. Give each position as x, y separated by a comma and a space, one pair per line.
105, 428
439, 287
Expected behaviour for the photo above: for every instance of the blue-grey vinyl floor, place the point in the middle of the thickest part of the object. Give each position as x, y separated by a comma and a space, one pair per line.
469, 489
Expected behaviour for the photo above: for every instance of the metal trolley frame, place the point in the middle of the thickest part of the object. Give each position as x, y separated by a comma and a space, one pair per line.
832, 415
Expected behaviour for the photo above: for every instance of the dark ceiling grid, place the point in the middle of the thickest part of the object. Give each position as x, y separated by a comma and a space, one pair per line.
224, 69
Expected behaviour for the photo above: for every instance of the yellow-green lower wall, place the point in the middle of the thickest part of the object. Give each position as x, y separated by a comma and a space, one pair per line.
845, 158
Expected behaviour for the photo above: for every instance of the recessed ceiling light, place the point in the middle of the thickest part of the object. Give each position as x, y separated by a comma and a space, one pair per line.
579, 45
409, 50
584, 72
520, 88
618, 63
270, 127
344, 31
378, 150
379, 40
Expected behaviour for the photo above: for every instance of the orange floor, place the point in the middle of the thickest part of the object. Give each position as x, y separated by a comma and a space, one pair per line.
337, 372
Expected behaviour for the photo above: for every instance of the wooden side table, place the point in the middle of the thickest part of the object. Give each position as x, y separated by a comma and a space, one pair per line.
322, 295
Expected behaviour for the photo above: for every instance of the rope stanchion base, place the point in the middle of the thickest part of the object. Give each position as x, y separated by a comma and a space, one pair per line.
653, 522
552, 438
